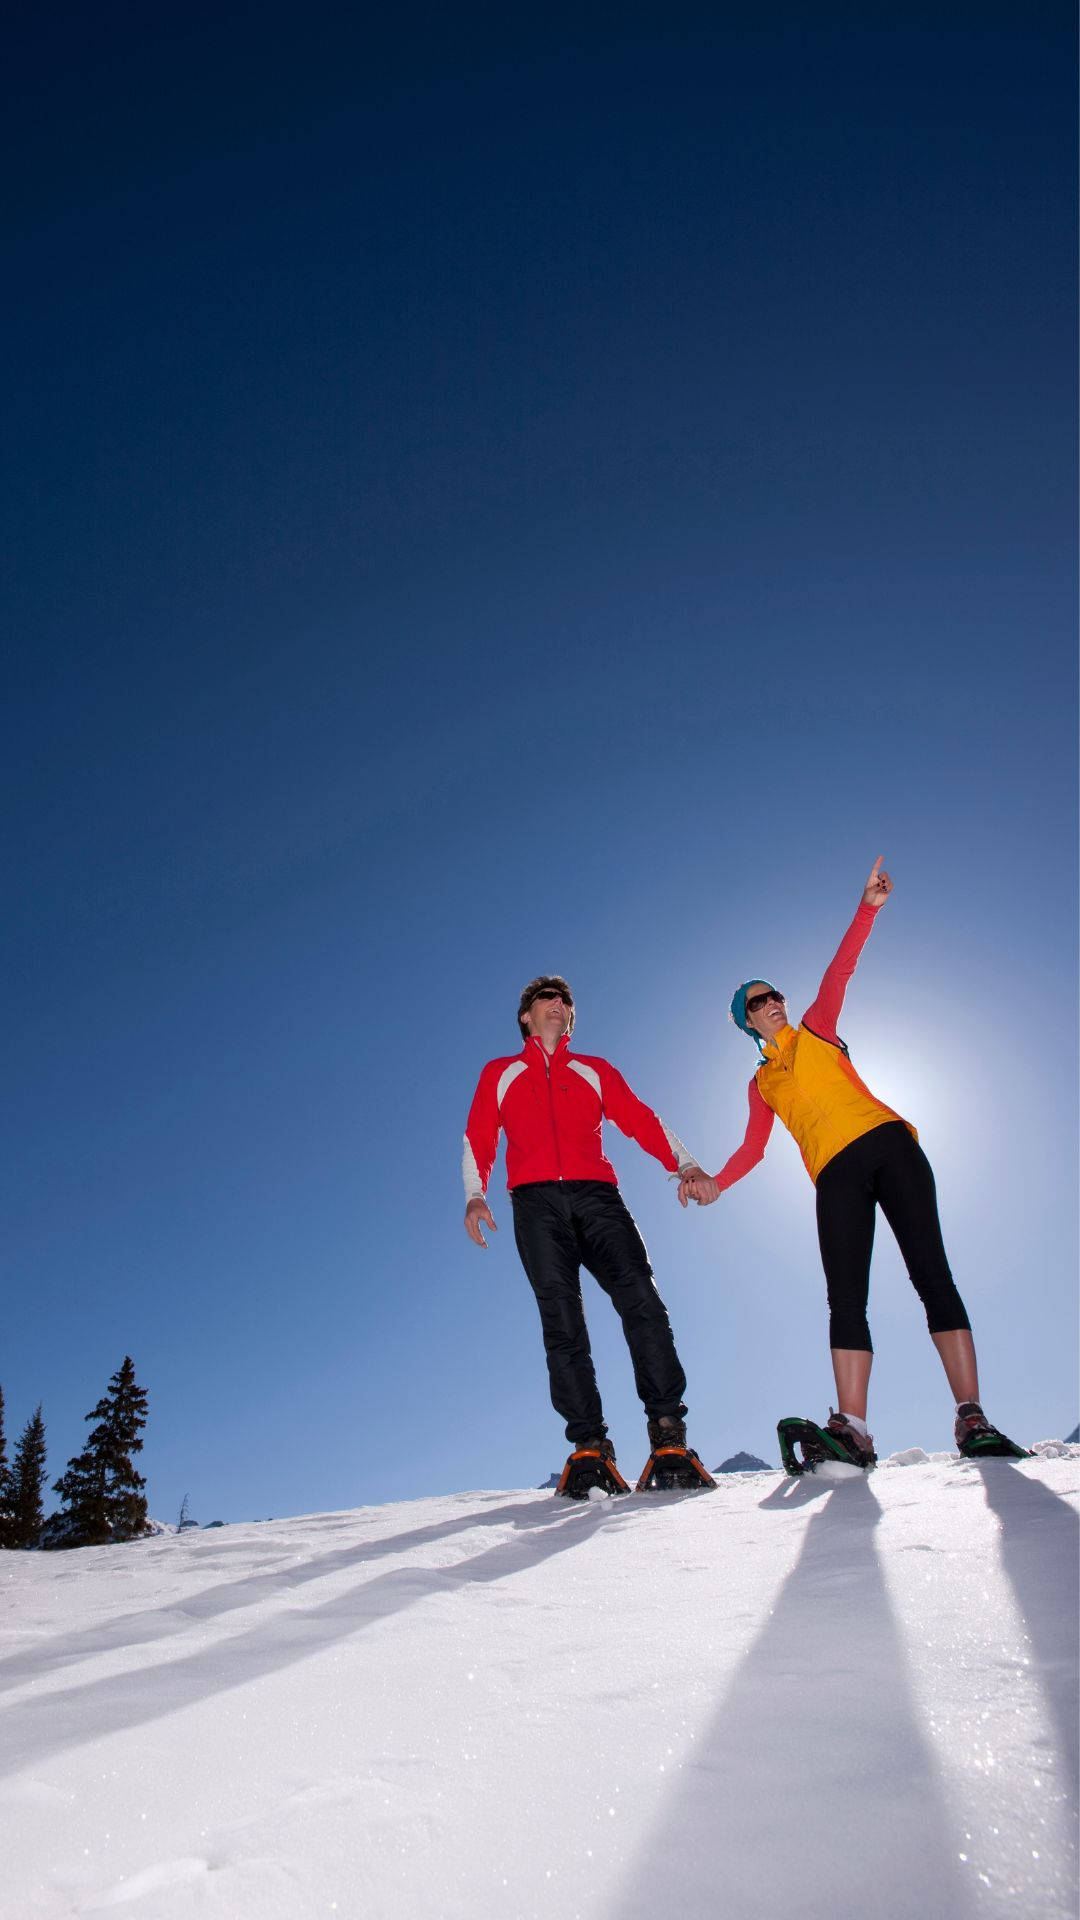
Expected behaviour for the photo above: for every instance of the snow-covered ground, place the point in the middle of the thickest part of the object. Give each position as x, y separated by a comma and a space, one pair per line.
831, 1697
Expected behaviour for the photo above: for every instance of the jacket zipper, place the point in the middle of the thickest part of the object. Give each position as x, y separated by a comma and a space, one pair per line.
551, 1104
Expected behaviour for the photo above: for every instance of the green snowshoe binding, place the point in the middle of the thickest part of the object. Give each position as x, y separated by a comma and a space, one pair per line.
592, 1464
991, 1445
976, 1439
804, 1446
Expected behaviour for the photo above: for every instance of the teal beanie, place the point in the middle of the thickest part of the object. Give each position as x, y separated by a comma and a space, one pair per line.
738, 1007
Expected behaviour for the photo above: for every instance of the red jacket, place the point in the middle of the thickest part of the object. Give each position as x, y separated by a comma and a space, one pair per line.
551, 1108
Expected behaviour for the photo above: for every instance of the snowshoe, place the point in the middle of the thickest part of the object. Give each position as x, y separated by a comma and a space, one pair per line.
978, 1440
990, 1444
804, 1446
592, 1464
669, 1467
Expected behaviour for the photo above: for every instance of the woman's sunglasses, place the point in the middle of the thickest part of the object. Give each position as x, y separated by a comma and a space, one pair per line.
759, 1000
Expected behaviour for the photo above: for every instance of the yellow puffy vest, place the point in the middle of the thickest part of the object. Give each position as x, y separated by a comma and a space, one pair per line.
814, 1089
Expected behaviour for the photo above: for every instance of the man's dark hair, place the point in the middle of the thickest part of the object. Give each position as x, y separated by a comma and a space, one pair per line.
529, 993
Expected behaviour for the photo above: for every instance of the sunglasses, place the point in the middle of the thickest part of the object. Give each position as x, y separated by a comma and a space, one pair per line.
759, 1000
552, 993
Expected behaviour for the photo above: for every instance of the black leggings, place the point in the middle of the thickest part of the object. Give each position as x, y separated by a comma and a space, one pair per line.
888, 1168
561, 1226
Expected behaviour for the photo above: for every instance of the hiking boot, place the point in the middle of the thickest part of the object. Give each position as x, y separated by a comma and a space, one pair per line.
859, 1447
671, 1463
977, 1439
591, 1465
970, 1420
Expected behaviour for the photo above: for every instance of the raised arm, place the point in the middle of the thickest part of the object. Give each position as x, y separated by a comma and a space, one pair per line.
823, 1014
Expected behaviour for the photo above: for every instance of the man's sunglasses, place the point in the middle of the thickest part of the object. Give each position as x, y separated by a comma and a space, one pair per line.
759, 1000
551, 993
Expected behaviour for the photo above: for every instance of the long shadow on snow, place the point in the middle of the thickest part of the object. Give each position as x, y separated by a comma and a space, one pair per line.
1040, 1535
228, 1596
814, 1791
59, 1722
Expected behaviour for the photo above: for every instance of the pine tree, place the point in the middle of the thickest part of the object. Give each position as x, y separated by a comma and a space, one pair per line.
101, 1489
5, 1481
27, 1484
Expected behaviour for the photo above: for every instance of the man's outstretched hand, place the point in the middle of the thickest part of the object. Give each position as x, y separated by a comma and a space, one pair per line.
878, 886
478, 1214
699, 1186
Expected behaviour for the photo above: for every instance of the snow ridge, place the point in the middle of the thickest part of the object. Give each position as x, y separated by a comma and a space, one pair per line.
815, 1696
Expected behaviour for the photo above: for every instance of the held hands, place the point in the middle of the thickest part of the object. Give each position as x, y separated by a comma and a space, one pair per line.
878, 886
478, 1214
698, 1186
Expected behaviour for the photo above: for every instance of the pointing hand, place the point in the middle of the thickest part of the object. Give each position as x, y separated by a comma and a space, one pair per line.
878, 886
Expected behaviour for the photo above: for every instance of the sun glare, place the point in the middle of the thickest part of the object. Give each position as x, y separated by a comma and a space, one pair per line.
916, 1079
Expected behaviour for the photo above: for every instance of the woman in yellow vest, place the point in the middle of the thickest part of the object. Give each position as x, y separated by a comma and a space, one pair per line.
860, 1155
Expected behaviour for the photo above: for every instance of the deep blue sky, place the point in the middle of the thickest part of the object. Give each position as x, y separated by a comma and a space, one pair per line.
499, 496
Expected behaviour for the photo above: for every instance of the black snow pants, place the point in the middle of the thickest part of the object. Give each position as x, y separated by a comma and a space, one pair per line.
561, 1226
885, 1168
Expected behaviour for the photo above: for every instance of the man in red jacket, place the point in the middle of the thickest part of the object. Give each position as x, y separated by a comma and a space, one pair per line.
568, 1213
